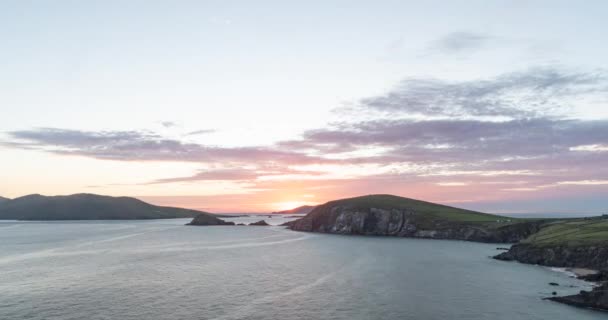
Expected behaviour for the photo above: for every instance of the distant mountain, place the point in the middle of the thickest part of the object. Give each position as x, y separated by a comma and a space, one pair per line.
298, 210
88, 207
3, 199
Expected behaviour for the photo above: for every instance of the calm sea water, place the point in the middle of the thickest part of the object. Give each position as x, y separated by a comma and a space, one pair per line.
163, 270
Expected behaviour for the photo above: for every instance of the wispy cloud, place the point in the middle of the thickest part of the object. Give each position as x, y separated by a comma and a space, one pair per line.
458, 42
238, 173
168, 124
144, 146
210, 175
197, 132
460, 140
504, 135
535, 92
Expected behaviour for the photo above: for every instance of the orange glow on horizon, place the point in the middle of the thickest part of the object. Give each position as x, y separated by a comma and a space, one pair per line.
288, 205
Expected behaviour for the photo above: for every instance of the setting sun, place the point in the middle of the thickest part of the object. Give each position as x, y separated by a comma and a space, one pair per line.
288, 205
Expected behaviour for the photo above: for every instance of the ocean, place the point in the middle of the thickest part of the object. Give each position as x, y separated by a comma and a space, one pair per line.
161, 269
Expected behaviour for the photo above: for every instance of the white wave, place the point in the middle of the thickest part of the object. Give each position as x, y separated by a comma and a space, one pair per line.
193, 247
564, 271
244, 312
10, 226
67, 250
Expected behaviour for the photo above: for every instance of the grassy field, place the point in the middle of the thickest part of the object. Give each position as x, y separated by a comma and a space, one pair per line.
576, 232
382, 201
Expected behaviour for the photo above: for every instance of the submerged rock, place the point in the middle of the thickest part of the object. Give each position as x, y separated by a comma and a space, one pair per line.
259, 223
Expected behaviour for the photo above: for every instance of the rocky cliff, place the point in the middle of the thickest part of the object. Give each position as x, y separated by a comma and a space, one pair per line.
592, 257
385, 215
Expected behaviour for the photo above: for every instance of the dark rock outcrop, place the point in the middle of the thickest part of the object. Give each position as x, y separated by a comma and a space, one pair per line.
601, 275
205, 219
287, 224
592, 257
594, 299
403, 222
259, 223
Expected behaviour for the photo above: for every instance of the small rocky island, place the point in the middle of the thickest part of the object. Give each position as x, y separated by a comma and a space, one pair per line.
259, 223
206, 219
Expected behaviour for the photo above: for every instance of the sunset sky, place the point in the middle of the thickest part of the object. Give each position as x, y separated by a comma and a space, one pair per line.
254, 106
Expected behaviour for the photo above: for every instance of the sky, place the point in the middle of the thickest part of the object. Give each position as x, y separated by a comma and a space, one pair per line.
256, 106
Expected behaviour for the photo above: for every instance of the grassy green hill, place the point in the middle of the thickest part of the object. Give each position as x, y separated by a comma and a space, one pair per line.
429, 209
572, 232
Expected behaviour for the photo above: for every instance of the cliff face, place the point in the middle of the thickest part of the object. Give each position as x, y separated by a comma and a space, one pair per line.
592, 257
407, 223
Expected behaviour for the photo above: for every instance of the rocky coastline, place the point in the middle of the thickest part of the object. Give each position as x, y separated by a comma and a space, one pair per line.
592, 257
596, 299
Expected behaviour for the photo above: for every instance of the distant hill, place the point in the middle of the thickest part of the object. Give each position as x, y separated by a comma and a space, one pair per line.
390, 215
298, 210
3, 199
88, 207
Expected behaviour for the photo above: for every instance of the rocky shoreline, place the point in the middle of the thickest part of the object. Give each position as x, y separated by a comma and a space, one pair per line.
596, 299
591, 257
